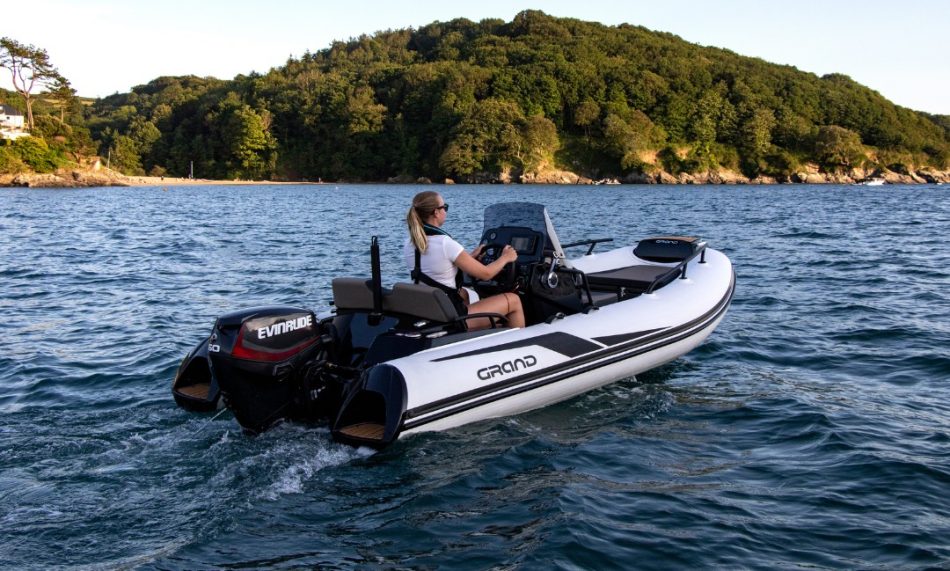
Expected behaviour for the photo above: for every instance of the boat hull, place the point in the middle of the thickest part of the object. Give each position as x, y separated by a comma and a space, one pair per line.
557, 387
514, 371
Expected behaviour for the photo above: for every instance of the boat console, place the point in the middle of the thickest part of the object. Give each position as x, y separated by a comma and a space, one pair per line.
527, 242
530, 247
548, 284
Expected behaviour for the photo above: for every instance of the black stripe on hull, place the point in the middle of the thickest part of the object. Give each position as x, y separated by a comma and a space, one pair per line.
608, 356
564, 343
624, 337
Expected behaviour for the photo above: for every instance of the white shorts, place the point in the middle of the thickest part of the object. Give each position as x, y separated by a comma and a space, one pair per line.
472, 295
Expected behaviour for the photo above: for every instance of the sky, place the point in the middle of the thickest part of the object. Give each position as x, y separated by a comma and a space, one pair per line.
899, 49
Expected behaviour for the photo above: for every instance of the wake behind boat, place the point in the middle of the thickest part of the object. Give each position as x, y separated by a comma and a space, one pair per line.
390, 362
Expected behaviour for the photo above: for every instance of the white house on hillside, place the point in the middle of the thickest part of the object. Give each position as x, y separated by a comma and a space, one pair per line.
11, 123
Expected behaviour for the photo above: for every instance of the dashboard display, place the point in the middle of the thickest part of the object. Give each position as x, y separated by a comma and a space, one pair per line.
523, 244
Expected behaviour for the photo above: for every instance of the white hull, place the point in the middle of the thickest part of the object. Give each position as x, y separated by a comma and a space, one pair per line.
565, 388
548, 363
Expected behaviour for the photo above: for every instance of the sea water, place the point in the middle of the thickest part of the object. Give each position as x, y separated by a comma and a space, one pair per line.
812, 429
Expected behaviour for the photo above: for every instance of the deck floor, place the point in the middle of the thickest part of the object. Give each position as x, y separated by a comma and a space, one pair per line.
364, 430
199, 391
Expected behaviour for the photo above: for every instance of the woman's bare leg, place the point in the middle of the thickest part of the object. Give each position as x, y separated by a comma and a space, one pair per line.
507, 304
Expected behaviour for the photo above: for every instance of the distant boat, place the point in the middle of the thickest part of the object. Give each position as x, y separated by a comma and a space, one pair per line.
872, 182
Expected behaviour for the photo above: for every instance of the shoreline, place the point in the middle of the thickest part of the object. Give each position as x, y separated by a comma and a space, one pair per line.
81, 178
173, 181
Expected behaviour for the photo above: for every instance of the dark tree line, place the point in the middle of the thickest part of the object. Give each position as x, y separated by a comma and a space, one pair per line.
468, 100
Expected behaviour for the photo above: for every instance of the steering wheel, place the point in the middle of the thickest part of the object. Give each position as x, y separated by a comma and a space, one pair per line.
505, 279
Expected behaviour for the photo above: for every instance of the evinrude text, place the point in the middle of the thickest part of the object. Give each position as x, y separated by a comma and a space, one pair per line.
284, 327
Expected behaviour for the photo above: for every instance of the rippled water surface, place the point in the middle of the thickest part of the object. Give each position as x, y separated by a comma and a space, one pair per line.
811, 430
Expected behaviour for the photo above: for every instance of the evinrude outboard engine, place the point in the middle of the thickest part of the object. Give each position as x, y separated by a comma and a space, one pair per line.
267, 361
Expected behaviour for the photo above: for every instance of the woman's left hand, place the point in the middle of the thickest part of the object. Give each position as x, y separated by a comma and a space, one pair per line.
478, 251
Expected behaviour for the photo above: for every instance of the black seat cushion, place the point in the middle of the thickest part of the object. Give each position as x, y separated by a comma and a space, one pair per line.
666, 249
635, 279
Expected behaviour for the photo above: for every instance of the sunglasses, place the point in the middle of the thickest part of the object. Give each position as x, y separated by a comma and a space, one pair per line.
443, 207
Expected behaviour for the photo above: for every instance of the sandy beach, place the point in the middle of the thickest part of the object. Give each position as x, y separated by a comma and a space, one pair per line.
174, 181
78, 178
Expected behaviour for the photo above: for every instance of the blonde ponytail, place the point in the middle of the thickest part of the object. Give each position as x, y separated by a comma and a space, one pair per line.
416, 233
423, 206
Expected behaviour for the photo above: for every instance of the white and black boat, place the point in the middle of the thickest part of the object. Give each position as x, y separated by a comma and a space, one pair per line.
388, 362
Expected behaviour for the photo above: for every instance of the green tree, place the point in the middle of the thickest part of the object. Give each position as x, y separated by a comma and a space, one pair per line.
124, 156
755, 139
10, 162
627, 139
675, 116
488, 139
144, 134
539, 135
461, 157
63, 95
837, 147
37, 154
792, 131
586, 114
365, 115
704, 128
29, 68
251, 148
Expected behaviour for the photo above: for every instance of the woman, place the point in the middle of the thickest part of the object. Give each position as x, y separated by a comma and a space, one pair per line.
441, 258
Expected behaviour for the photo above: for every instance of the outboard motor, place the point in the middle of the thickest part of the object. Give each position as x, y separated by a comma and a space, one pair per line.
266, 361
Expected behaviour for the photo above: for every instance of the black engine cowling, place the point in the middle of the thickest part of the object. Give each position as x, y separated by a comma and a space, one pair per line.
264, 360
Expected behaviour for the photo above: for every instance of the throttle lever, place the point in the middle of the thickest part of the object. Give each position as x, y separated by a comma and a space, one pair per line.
551, 279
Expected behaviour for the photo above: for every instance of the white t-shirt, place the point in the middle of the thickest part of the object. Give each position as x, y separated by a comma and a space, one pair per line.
438, 260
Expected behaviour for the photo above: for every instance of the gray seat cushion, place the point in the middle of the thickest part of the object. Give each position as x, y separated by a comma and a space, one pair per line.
417, 300
421, 301
353, 293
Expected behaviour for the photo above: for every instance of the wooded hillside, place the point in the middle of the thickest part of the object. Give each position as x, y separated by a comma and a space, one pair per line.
470, 100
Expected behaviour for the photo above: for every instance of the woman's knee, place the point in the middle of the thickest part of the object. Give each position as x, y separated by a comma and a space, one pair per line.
488, 305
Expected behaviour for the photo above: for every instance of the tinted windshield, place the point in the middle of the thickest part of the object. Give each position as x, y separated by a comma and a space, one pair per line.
523, 214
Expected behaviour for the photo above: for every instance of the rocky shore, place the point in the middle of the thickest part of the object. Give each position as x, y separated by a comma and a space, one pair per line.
75, 178
80, 178
809, 175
